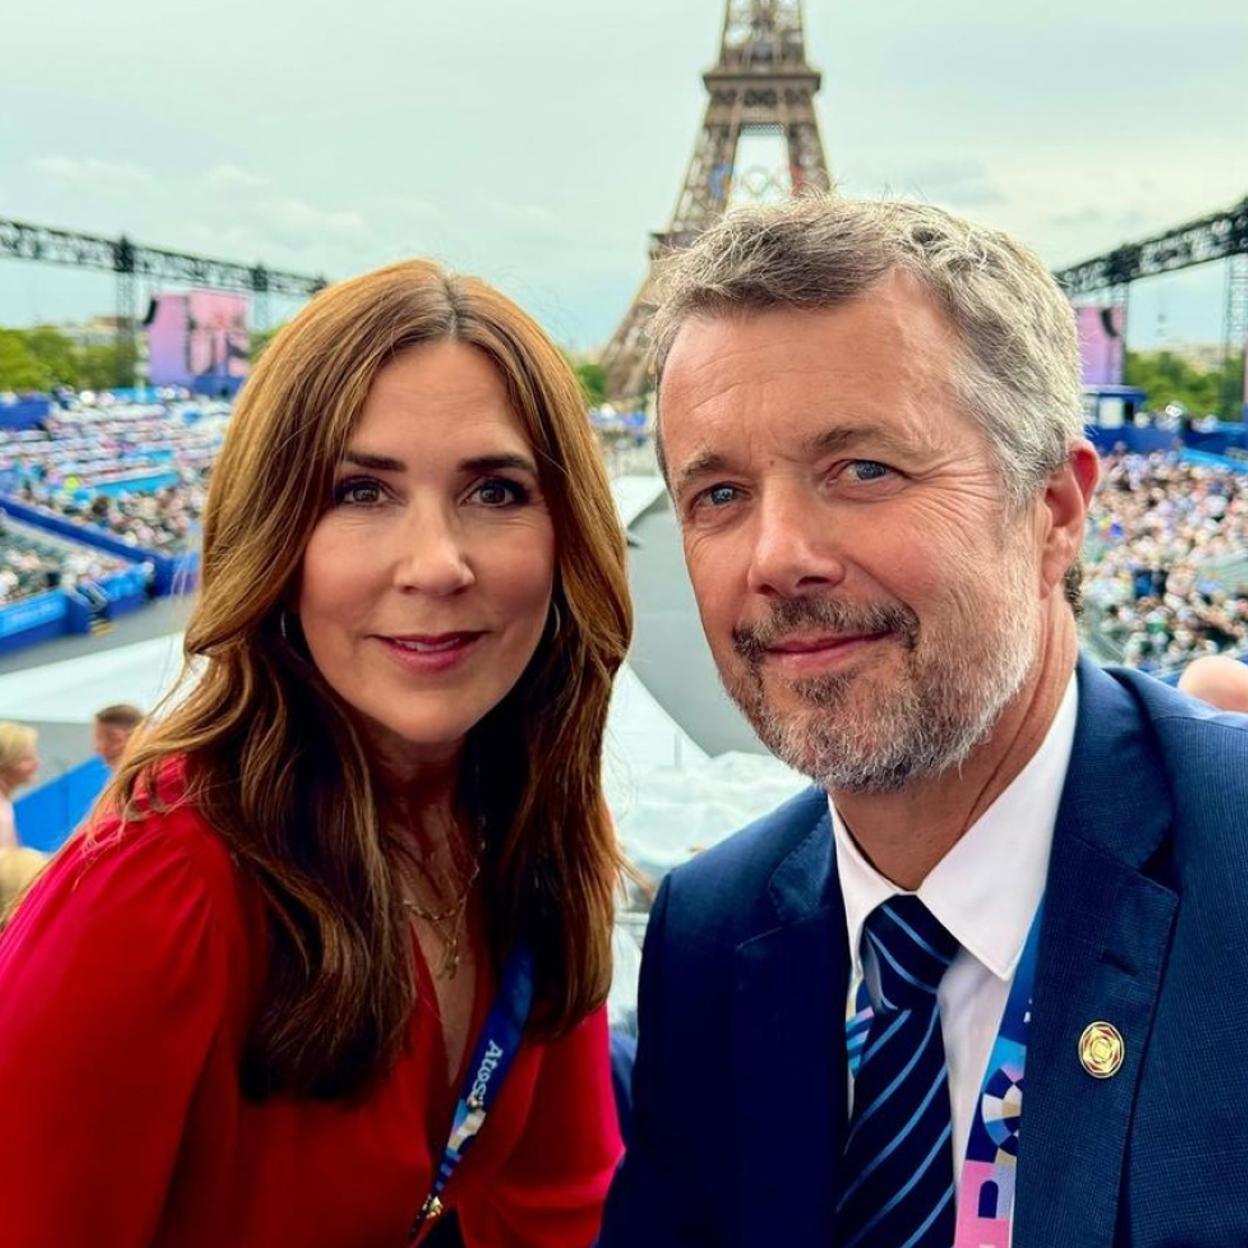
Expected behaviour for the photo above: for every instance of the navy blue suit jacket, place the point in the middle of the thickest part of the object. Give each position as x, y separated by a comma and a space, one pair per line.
740, 1084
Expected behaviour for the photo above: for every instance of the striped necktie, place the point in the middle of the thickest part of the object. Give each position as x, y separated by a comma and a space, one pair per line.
898, 1182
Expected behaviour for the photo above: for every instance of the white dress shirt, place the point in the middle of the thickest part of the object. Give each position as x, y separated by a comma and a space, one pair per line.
985, 891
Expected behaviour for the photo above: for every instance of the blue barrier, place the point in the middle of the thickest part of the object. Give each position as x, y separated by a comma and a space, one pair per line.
145, 483
1217, 441
47, 815
1137, 441
25, 413
127, 591
30, 612
1206, 459
78, 612
33, 619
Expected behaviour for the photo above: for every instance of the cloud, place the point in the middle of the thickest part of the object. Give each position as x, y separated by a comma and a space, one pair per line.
297, 220
229, 177
526, 218
958, 180
92, 172
1124, 221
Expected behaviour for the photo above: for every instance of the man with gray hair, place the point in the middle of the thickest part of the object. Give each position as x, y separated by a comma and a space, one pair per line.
1014, 870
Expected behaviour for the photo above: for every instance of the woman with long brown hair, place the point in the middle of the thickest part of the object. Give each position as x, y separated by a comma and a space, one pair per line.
330, 957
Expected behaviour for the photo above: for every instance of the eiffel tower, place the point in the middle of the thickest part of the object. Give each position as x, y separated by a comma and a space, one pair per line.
762, 83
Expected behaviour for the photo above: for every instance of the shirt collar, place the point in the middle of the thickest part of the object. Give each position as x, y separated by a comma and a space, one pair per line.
987, 887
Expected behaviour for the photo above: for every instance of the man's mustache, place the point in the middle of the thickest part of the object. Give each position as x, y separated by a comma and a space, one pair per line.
822, 615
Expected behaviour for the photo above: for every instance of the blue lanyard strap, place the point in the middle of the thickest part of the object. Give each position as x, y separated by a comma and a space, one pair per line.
496, 1049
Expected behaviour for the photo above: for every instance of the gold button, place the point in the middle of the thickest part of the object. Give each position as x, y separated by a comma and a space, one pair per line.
1102, 1050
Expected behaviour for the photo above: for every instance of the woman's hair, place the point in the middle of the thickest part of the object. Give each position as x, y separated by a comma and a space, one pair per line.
273, 758
17, 742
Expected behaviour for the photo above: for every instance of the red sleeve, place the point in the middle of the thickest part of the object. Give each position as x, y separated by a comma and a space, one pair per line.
551, 1193
113, 989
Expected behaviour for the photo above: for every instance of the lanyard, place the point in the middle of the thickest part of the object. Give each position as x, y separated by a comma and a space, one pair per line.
491, 1060
990, 1171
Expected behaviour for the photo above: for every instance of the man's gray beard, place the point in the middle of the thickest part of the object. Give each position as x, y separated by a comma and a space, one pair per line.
926, 724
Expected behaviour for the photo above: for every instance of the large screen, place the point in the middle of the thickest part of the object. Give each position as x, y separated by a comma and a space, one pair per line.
199, 336
1102, 343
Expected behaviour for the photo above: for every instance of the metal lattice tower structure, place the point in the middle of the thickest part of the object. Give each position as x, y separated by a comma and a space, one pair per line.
761, 83
131, 261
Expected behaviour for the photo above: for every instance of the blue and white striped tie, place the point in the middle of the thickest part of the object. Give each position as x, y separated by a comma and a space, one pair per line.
898, 1184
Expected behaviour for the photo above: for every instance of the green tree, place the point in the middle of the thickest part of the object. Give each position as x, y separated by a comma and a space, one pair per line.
1233, 397
593, 378
57, 353
20, 368
260, 340
1169, 378
105, 367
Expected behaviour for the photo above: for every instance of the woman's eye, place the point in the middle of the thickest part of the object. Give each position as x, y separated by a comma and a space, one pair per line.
357, 493
499, 492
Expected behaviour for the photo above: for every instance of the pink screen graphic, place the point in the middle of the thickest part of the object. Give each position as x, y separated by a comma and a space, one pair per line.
1102, 343
198, 335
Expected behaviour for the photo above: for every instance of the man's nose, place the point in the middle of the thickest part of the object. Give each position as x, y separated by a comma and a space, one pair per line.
794, 550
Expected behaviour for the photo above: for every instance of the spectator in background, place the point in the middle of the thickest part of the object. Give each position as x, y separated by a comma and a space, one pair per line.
1220, 680
18, 867
112, 729
19, 760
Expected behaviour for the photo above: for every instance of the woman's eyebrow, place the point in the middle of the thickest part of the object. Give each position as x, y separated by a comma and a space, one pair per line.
495, 462
378, 463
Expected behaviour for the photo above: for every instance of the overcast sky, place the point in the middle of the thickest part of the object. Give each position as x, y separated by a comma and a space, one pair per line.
537, 142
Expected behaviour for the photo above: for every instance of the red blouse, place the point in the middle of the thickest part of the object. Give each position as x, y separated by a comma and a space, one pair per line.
126, 982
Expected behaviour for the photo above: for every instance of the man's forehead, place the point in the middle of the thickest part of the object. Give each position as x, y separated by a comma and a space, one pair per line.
809, 415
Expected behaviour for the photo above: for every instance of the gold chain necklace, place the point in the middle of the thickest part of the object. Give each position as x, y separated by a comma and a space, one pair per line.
448, 935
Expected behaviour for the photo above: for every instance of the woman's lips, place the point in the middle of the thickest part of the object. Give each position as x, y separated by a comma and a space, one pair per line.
430, 653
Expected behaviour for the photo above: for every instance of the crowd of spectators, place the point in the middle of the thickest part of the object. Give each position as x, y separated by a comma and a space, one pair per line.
32, 565
138, 471
165, 520
1166, 561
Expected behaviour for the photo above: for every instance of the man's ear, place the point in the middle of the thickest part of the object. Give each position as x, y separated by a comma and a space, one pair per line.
1067, 496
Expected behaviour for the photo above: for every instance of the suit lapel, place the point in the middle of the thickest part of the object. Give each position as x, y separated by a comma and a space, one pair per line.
1106, 935
788, 1054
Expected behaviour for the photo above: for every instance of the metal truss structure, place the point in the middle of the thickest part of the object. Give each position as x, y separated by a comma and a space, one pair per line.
762, 82
1215, 237
1219, 236
131, 261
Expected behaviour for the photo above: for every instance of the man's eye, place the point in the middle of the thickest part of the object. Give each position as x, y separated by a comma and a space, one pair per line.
868, 470
720, 495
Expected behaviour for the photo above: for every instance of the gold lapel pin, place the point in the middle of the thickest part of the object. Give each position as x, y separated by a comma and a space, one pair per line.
1102, 1050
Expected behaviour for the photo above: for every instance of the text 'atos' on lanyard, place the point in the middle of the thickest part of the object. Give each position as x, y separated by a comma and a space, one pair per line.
491, 1060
